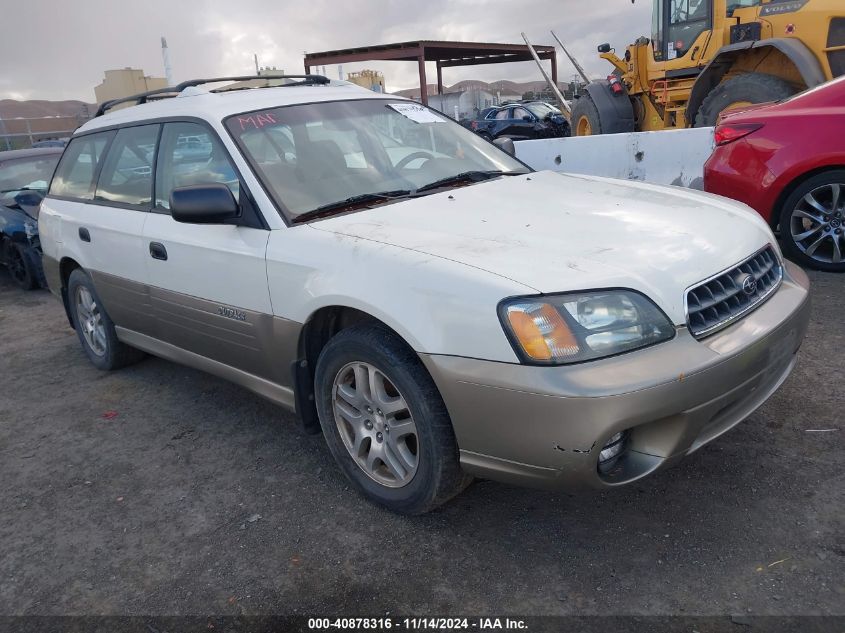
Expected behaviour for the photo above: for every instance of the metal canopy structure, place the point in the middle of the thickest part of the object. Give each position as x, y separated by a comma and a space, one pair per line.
445, 54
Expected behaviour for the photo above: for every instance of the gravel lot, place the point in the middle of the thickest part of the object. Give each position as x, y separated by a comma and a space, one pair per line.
199, 497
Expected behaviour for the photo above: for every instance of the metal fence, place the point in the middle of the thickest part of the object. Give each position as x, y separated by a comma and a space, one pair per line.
21, 132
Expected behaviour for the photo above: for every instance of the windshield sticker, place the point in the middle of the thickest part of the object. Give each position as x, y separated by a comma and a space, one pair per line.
256, 121
417, 113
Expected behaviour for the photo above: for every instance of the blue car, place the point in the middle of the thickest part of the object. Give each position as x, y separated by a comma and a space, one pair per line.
521, 121
24, 177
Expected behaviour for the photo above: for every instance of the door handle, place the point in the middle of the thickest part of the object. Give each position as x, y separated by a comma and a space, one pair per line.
84, 235
157, 251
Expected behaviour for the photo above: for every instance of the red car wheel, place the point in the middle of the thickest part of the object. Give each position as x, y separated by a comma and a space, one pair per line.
812, 222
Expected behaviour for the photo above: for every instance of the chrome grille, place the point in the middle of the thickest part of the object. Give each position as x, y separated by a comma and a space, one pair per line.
721, 300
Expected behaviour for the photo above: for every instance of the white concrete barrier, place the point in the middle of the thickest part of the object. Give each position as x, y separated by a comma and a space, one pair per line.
671, 157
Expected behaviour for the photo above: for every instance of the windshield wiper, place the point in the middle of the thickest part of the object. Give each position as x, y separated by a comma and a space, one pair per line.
474, 176
354, 202
366, 199
20, 189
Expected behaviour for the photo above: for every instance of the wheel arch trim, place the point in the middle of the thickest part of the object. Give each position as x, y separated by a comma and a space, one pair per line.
321, 325
66, 266
795, 50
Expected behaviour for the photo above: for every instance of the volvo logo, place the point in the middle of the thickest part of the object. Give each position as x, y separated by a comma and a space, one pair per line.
748, 284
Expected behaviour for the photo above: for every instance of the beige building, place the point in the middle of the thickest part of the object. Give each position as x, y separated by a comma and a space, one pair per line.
126, 82
258, 83
369, 79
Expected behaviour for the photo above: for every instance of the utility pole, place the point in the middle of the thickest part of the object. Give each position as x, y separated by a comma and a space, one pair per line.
165, 56
255, 56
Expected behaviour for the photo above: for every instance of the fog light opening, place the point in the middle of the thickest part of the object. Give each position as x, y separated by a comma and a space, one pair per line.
612, 451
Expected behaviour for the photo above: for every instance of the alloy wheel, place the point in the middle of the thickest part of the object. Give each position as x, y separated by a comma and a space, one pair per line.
816, 224
375, 424
90, 321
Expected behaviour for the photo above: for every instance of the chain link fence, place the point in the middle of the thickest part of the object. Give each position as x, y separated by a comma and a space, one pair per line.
22, 132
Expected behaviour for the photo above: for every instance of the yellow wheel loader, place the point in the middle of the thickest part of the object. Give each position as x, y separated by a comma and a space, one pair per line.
706, 56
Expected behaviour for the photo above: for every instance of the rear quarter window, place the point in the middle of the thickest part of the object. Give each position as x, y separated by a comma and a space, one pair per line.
78, 167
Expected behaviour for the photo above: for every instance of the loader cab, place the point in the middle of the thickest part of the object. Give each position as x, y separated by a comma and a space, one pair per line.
676, 25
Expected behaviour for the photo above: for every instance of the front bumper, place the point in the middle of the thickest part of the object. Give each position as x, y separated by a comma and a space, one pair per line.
545, 426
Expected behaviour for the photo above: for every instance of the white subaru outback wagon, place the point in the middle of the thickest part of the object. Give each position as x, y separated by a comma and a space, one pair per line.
436, 308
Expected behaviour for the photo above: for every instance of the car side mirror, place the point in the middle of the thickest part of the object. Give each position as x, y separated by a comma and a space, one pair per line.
526, 118
29, 198
203, 204
505, 144
29, 202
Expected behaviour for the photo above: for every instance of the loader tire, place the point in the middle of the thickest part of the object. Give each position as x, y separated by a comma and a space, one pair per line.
585, 117
748, 88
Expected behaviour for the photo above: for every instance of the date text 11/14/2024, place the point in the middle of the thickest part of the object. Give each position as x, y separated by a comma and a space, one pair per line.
417, 624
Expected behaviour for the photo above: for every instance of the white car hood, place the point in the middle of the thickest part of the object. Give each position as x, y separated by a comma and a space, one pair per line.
555, 232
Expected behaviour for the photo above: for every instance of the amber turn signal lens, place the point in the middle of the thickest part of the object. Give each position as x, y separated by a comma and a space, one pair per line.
541, 331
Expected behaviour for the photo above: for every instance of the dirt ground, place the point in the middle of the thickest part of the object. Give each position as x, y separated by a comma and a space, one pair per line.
162, 490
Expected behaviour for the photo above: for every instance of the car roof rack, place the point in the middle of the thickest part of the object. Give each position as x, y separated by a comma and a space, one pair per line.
172, 91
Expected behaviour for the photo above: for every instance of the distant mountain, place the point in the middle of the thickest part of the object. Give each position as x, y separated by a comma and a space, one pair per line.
11, 109
503, 86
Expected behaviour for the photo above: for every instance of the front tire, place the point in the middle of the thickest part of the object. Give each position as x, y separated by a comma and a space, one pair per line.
812, 222
385, 422
744, 89
24, 266
585, 117
94, 326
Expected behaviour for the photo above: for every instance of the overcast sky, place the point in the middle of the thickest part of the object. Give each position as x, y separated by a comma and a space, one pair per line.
55, 49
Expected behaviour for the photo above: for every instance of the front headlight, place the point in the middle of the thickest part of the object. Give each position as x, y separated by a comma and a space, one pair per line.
575, 327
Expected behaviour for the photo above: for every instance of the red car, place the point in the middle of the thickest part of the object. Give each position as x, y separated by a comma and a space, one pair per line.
787, 161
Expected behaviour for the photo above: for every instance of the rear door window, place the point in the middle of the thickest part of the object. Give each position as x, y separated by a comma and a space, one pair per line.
127, 175
78, 167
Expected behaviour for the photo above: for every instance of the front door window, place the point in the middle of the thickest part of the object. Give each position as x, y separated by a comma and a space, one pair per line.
687, 20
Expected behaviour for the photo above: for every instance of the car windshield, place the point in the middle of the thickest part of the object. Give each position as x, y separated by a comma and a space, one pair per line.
21, 174
320, 155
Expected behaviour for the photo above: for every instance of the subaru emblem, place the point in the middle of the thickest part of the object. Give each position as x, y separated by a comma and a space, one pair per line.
749, 285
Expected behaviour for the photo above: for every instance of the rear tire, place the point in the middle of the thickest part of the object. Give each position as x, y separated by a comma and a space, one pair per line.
585, 117
745, 88
94, 326
367, 368
809, 220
